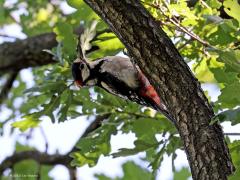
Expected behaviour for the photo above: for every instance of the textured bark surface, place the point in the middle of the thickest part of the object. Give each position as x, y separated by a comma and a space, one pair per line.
156, 55
27, 53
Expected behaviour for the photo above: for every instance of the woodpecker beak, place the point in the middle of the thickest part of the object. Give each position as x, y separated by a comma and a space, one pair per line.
78, 83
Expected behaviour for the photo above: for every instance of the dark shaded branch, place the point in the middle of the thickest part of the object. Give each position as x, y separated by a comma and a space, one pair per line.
26, 53
7, 86
29, 52
41, 158
153, 51
232, 134
72, 173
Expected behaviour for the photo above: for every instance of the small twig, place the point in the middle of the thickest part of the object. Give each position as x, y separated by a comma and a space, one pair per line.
174, 21
183, 45
45, 139
8, 36
14, 19
192, 35
232, 134
28, 136
204, 4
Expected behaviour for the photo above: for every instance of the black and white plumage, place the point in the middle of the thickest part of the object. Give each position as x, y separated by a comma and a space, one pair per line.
120, 77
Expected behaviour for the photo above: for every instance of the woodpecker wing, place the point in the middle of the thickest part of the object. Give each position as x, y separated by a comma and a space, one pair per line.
122, 69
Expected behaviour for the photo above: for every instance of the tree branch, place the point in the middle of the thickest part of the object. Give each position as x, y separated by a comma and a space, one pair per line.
179, 90
7, 86
26, 53
29, 52
48, 159
41, 158
232, 134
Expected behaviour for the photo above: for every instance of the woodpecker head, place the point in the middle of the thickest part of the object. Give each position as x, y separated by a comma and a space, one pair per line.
80, 72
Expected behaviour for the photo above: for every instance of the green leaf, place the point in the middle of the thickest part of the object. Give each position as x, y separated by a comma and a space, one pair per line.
231, 7
140, 146
174, 144
223, 34
230, 95
2, 13
28, 122
131, 171
26, 167
135, 172
47, 86
80, 159
93, 146
231, 58
224, 77
183, 174
20, 147
108, 45
234, 148
50, 107
230, 115
214, 4
64, 32
157, 160
29, 169
103, 177
146, 129
202, 71
66, 100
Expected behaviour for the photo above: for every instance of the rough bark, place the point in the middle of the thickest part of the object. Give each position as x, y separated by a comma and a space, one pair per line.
26, 53
156, 55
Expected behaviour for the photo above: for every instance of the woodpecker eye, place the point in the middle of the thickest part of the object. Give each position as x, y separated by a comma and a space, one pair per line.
81, 66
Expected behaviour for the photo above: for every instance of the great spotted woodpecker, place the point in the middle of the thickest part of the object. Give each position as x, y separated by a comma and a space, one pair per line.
120, 77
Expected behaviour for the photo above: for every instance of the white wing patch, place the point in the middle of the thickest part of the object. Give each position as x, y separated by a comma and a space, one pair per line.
85, 72
92, 82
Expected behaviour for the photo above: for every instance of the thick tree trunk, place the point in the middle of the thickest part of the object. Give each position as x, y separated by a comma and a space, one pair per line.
156, 55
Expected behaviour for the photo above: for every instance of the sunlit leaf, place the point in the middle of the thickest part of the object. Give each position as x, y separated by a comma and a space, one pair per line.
27, 122
65, 35
231, 7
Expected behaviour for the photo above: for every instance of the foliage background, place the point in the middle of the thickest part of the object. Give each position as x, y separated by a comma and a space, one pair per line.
207, 35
